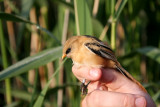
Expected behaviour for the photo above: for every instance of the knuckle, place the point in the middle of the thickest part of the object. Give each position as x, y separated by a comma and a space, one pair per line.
128, 101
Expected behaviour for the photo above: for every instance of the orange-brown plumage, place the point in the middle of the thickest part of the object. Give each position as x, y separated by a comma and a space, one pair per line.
91, 52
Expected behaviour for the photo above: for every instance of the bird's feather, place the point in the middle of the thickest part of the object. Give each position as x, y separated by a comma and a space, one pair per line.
101, 50
99, 42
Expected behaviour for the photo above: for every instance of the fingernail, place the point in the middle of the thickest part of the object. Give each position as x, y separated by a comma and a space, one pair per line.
140, 102
94, 73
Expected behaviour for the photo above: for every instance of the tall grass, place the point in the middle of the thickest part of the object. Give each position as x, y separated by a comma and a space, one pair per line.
5, 65
123, 24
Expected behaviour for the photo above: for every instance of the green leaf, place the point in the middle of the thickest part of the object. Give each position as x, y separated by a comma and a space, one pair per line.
40, 98
26, 5
83, 17
15, 18
13, 104
97, 30
151, 52
156, 96
55, 89
31, 62
120, 8
24, 81
19, 94
65, 4
12, 6
107, 7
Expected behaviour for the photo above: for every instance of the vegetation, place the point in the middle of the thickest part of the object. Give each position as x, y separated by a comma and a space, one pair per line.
32, 33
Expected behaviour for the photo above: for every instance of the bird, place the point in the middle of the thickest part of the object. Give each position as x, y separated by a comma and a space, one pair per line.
86, 50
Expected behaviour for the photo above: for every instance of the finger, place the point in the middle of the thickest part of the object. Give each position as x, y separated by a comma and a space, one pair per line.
105, 98
86, 73
115, 81
97, 85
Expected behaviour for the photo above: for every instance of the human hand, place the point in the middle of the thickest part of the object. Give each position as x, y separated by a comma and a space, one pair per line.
110, 88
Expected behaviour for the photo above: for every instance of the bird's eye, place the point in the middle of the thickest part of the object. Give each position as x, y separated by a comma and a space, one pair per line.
68, 50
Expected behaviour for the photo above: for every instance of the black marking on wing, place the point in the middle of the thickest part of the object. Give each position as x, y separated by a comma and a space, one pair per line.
107, 55
100, 42
100, 51
92, 44
121, 71
93, 37
95, 51
105, 46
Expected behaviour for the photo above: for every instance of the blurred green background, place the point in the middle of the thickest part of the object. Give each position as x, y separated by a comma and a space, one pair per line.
32, 33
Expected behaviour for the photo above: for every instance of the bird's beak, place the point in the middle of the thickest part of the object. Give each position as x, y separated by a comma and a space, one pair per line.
63, 56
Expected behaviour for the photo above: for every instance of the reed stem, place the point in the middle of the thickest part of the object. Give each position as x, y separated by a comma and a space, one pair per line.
113, 25
5, 65
76, 17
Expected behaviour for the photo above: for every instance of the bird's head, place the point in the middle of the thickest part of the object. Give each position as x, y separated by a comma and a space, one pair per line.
69, 47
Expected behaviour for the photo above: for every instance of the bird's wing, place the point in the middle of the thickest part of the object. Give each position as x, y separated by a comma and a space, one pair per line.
100, 49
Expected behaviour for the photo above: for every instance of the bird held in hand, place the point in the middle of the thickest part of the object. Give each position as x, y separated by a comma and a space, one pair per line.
90, 51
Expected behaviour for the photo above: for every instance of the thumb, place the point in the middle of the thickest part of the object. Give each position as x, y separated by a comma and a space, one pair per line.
104, 98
